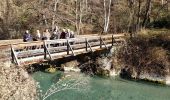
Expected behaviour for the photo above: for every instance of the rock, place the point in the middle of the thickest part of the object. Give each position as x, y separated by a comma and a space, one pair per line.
73, 63
103, 72
71, 66
168, 80
114, 73
50, 70
69, 69
25, 74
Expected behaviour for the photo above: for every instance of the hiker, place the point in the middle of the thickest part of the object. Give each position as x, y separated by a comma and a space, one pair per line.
46, 35
56, 34
72, 35
67, 34
37, 36
27, 36
63, 34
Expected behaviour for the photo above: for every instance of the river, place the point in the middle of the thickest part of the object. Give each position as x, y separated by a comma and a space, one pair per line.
97, 88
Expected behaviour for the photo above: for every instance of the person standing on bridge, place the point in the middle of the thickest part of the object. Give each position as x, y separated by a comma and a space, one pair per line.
72, 35
68, 34
63, 34
37, 36
56, 34
27, 36
46, 35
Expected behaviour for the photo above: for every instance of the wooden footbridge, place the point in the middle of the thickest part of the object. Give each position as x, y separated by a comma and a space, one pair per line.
25, 53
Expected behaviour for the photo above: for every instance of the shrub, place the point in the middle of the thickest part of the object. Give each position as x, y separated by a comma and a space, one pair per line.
145, 56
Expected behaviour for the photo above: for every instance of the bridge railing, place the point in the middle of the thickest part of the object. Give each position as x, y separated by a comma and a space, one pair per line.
50, 49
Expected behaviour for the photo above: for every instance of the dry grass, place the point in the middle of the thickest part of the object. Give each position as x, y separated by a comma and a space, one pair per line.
148, 53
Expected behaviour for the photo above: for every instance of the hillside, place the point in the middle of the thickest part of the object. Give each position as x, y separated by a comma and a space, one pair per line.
82, 16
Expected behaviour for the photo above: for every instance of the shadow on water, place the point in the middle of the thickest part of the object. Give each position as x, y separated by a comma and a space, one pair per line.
82, 58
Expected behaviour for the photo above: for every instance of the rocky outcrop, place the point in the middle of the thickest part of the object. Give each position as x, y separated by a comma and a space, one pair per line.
71, 66
168, 80
15, 83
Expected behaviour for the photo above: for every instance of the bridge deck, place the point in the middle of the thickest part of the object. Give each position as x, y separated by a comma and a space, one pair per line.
25, 53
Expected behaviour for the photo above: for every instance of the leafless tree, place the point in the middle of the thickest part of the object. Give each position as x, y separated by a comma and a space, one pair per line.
106, 15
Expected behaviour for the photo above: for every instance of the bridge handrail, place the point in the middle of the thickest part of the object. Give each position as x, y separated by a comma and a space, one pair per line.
48, 47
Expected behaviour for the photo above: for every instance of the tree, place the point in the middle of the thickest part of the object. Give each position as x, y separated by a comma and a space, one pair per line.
106, 15
147, 13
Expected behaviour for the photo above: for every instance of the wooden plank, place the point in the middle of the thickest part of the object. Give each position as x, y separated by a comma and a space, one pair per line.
32, 60
14, 56
103, 43
89, 46
55, 49
86, 44
19, 41
71, 48
27, 46
46, 51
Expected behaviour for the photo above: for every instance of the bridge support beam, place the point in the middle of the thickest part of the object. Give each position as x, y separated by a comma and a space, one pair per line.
112, 40
69, 48
102, 42
14, 57
88, 44
46, 51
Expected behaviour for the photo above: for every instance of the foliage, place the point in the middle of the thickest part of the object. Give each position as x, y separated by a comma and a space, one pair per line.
163, 22
82, 16
147, 54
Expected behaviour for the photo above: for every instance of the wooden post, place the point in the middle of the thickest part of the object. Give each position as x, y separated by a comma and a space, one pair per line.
112, 40
14, 56
104, 43
86, 43
71, 49
89, 46
68, 47
45, 50
100, 42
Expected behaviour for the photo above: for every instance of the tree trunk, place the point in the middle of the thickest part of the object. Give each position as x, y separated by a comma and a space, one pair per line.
45, 20
107, 16
114, 19
77, 22
168, 1
80, 16
138, 19
55, 8
131, 17
147, 13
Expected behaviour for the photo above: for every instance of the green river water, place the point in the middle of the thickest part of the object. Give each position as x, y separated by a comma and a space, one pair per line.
103, 88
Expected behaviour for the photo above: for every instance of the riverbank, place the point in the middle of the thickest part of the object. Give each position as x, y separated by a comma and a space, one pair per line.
16, 83
147, 56
143, 58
